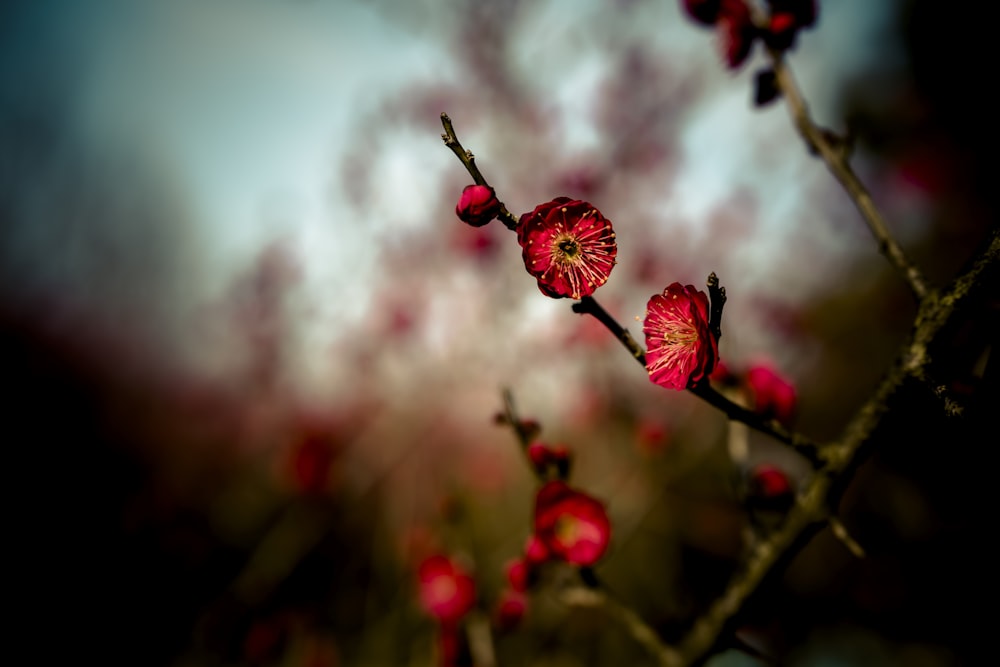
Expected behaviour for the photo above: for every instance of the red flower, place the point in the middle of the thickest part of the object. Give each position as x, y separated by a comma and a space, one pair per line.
769, 492
787, 17
535, 551
447, 592
773, 396
681, 350
510, 609
572, 525
803, 12
518, 572
736, 32
769, 481
478, 205
568, 246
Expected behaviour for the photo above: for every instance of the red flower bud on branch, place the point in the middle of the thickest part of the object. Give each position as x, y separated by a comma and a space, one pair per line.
770, 481
511, 608
535, 551
773, 396
518, 572
787, 18
478, 205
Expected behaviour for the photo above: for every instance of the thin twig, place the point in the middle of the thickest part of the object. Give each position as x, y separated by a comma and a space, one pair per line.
480, 637
834, 153
634, 625
588, 305
840, 531
811, 450
469, 160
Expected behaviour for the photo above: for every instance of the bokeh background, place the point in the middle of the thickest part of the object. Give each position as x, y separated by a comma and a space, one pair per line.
251, 359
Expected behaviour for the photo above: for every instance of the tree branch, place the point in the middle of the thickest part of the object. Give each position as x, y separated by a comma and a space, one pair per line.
812, 507
834, 153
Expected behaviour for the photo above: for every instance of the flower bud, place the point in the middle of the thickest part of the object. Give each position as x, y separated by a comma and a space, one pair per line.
770, 488
773, 395
510, 610
478, 205
702, 11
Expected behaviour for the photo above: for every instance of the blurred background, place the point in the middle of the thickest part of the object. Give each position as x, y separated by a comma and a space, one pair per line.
251, 358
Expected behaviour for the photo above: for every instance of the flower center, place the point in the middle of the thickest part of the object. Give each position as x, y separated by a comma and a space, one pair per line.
567, 248
566, 530
679, 334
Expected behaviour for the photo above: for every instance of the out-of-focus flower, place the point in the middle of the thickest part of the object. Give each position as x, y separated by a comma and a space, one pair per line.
568, 246
313, 459
781, 30
535, 551
735, 28
652, 436
477, 205
769, 481
703, 11
447, 592
803, 12
572, 525
517, 574
769, 491
787, 18
510, 609
722, 375
736, 32
771, 395
543, 456
680, 348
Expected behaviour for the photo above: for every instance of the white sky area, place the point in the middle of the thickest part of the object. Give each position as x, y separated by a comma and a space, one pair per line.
250, 106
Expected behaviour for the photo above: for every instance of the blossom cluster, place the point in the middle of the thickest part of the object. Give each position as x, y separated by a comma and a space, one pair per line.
734, 23
569, 526
569, 247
